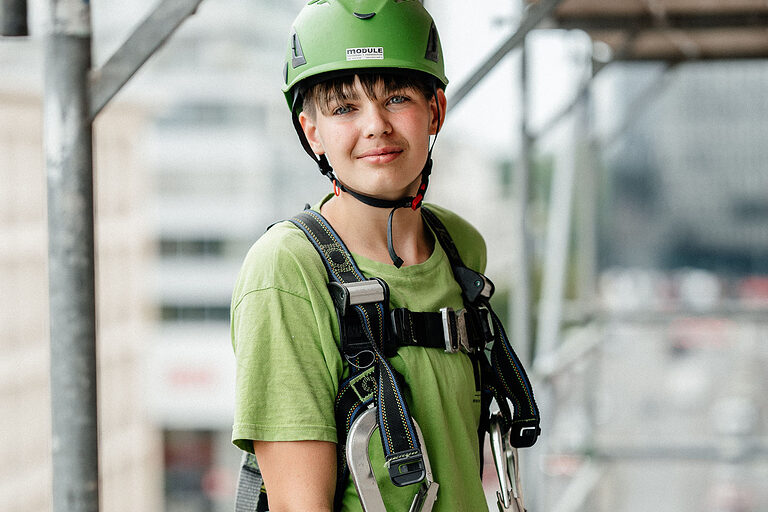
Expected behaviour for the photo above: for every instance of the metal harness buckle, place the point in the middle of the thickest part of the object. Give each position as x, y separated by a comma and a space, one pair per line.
455, 331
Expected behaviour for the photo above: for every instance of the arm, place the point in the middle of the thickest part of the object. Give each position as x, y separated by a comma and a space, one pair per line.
298, 475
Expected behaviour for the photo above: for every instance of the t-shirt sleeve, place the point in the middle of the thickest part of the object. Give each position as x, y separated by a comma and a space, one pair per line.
288, 363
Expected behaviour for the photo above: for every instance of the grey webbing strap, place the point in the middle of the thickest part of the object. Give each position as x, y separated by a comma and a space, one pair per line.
249, 485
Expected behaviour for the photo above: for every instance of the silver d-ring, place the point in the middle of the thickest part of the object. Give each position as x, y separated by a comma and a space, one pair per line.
350, 359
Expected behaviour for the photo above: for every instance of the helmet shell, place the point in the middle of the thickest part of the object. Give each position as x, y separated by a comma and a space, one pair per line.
334, 36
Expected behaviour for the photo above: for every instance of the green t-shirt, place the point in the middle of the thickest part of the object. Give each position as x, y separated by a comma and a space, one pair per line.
286, 341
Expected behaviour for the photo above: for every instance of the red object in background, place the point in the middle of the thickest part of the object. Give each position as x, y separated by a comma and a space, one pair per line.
188, 449
754, 288
697, 332
219, 483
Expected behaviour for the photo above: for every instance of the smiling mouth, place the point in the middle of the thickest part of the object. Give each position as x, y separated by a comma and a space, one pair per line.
381, 155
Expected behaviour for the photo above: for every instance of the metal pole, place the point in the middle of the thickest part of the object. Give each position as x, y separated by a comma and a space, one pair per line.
521, 293
586, 204
69, 164
559, 225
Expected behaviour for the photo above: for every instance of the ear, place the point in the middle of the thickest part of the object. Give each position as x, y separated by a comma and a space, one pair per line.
310, 132
437, 100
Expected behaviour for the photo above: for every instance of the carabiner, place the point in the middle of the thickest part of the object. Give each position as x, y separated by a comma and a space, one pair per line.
362, 474
510, 493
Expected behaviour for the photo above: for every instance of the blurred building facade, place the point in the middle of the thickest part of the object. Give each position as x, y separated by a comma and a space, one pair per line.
130, 451
225, 164
687, 184
666, 407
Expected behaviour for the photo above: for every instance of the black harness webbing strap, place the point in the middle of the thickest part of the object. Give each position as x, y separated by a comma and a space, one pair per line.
415, 329
516, 386
355, 394
507, 377
402, 451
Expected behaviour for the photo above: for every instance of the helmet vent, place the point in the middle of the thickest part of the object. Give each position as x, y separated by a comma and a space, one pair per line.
297, 54
318, 2
432, 45
366, 16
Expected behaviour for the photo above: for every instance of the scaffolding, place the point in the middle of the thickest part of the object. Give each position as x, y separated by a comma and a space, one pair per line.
669, 31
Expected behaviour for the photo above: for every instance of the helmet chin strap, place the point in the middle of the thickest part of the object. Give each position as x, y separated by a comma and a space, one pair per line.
412, 202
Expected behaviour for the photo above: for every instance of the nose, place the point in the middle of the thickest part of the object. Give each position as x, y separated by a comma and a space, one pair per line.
376, 122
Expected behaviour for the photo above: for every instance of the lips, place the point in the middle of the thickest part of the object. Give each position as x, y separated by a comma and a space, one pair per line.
378, 152
383, 155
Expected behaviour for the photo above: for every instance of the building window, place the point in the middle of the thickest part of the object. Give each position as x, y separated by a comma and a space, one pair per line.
200, 247
187, 313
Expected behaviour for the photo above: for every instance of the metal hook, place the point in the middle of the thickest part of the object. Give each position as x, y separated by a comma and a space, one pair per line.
510, 494
362, 473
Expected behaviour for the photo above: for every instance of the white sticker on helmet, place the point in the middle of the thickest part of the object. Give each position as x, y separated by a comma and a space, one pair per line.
367, 53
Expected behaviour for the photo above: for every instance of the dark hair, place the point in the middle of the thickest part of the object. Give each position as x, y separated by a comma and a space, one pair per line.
324, 94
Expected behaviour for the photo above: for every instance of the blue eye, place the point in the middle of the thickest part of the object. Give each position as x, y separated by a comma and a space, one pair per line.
398, 99
344, 109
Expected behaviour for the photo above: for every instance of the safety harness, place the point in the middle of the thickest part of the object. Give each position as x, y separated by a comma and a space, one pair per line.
370, 333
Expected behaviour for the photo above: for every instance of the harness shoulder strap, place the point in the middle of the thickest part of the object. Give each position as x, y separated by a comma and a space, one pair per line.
362, 307
506, 378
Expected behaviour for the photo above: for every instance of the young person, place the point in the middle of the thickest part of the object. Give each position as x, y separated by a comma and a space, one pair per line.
364, 80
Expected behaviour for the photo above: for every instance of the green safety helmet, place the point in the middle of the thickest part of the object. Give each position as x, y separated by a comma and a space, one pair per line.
332, 37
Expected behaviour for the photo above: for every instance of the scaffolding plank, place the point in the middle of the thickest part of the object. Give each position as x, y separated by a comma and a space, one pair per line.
638, 7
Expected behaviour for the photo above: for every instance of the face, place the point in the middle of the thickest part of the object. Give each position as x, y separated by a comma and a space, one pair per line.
376, 146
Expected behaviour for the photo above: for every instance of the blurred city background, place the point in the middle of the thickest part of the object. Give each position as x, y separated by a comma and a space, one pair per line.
648, 174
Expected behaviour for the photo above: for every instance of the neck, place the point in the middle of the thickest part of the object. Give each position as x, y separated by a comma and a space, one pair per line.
364, 230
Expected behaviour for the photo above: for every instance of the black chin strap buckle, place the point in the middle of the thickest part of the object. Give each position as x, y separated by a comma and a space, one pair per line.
419, 198
325, 167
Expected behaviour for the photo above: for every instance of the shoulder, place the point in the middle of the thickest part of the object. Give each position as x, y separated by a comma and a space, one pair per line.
466, 237
281, 259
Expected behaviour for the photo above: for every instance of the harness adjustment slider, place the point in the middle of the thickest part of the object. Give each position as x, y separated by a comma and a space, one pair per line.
355, 339
362, 292
524, 437
406, 468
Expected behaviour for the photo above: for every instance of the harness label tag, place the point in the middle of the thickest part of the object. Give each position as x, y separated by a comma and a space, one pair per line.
366, 53
364, 386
